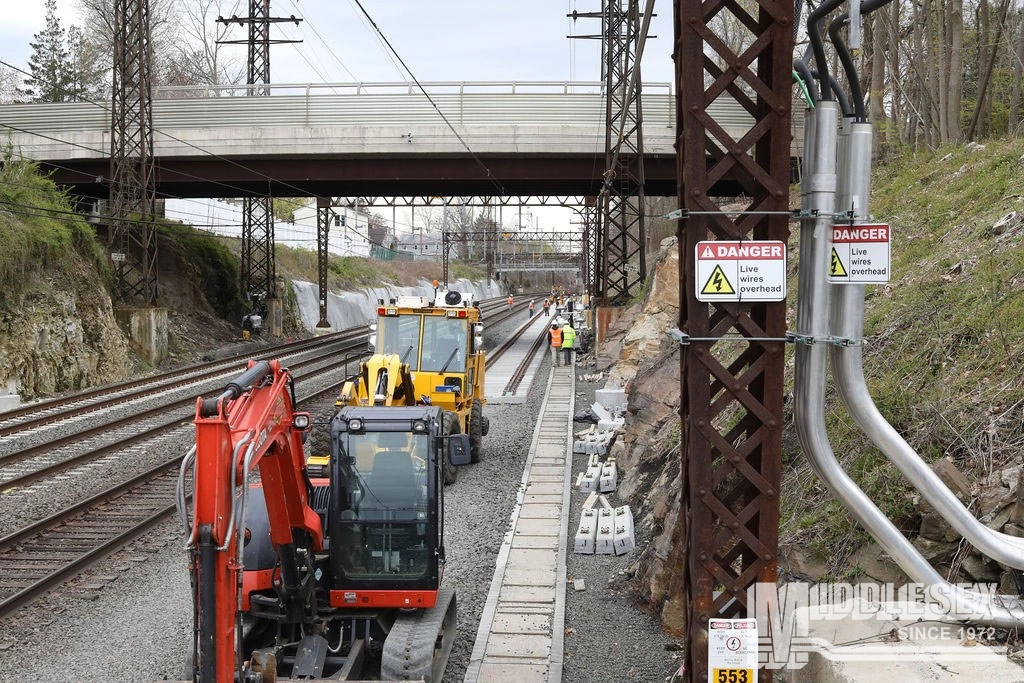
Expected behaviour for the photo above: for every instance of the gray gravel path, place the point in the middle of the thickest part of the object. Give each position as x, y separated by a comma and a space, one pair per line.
130, 619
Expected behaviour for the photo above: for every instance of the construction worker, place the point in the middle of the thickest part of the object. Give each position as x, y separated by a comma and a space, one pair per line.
555, 335
568, 343
532, 310
510, 301
547, 308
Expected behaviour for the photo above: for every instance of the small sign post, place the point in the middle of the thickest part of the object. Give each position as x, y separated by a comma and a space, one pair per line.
732, 651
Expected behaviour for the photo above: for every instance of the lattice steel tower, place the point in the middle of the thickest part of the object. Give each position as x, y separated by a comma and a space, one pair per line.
131, 236
619, 245
258, 267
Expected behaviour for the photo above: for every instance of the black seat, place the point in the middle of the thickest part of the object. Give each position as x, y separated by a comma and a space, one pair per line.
393, 485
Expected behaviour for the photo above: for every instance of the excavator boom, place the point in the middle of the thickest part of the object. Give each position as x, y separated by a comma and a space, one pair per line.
251, 425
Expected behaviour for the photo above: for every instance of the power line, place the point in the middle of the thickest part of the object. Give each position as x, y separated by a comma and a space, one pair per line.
415, 80
325, 43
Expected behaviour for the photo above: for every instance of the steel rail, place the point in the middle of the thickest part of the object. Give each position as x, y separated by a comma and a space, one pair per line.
187, 405
59, 521
517, 377
171, 379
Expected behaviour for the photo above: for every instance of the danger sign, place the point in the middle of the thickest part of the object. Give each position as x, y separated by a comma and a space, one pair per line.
860, 254
741, 271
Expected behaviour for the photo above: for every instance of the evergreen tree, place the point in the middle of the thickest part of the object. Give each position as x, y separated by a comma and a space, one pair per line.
51, 79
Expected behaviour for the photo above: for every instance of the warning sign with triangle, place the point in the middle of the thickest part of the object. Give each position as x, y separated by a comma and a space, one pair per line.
718, 283
836, 268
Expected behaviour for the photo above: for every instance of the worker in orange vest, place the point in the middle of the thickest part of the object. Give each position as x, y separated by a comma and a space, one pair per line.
510, 300
555, 334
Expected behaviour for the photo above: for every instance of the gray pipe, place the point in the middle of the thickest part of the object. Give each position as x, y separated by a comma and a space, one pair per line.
809, 390
847, 322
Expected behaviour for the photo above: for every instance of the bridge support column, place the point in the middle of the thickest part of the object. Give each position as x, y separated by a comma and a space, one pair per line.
146, 329
275, 317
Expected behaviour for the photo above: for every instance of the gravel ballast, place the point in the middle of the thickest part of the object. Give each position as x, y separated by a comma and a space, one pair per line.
130, 618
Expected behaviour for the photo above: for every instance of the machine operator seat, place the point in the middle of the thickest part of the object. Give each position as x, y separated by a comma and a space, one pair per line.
393, 485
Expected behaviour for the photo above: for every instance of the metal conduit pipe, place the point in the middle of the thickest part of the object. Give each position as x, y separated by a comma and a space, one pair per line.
809, 392
847, 322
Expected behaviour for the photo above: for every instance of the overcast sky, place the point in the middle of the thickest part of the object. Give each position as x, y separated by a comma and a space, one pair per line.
446, 40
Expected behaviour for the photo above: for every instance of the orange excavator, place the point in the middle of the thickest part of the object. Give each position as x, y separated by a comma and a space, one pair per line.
329, 567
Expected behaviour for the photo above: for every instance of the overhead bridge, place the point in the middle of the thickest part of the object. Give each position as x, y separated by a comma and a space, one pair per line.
374, 139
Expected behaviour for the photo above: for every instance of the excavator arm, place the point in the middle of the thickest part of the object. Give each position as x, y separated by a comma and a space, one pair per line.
251, 425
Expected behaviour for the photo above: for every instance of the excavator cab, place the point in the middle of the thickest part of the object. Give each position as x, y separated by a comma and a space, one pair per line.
384, 528
387, 502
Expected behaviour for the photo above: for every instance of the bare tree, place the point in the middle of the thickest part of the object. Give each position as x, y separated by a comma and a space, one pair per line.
200, 56
98, 19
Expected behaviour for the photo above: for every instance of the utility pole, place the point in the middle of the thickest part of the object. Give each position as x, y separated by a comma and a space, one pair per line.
131, 237
259, 277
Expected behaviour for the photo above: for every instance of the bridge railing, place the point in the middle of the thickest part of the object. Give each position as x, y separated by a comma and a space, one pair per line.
384, 87
530, 116
525, 103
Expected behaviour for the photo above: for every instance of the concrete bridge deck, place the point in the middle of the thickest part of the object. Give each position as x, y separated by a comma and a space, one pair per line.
370, 139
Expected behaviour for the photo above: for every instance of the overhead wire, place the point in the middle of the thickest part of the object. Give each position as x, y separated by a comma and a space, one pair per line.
423, 90
327, 45
385, 42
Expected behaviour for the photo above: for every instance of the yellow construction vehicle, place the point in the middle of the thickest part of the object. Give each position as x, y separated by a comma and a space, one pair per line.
427, 352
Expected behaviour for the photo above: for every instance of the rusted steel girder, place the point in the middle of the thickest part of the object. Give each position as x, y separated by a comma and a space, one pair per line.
324, 216
622, 264
731, 393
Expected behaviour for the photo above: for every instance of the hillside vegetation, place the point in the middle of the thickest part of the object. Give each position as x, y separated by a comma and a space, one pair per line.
944, 340
38, 229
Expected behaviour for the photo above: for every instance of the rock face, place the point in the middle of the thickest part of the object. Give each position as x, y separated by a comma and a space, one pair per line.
638, 354
58, 333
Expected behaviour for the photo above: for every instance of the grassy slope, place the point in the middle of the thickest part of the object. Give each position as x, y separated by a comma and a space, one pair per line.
944, 339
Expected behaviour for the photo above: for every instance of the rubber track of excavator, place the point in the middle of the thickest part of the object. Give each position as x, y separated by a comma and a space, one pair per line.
409, 650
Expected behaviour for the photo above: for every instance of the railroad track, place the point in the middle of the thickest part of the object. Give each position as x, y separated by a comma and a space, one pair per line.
111, 439
41, 413
47, 552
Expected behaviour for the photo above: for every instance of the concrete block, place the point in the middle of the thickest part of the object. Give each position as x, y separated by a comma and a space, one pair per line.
909, 642
609, 476
612, 399
601, 412
624, 537
605, 541
611, 424
586, 534
591, 479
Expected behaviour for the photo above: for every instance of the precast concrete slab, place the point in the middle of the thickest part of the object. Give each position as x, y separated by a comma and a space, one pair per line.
513, 673
847, 647
521, 632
